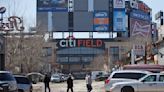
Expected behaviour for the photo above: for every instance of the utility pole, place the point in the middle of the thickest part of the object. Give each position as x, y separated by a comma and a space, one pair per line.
145, 57
2, 42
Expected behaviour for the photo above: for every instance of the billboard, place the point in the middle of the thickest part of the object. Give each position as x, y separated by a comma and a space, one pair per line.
139, 28
138, 14
139, 49
119, 20
101, 21
52, 5
119, 3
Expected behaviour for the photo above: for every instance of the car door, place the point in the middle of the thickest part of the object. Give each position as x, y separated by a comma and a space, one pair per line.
148, 84
160, 84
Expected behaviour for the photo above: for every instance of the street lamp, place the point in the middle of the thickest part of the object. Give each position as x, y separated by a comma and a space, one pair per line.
2, 51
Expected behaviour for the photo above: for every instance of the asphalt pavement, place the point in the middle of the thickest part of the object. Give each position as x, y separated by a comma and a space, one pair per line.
79, 86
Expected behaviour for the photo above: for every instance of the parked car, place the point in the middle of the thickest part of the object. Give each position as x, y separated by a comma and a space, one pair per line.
102, 77
7, 77
149, 83
23, 83
56, 78
124, 76
4, 87
35, 77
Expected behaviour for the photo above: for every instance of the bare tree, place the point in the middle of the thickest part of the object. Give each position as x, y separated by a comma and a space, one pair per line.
24, 52
100, 62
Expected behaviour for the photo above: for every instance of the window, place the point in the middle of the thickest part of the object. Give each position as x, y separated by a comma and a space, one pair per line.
114, 51
22, 80
161, 78
129, 75
150, 78
6, 77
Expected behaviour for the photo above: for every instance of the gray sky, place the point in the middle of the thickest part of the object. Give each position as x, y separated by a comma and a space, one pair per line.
27, 8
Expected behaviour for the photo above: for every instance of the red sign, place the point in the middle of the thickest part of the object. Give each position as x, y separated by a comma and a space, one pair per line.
142, 6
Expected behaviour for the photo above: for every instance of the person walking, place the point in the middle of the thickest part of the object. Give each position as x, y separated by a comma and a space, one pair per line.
46, 82
88, 82
70, 83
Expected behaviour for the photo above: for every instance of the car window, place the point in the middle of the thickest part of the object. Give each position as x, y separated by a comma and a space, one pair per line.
161, 78
151, 78
129, 75
6, 77
22, 80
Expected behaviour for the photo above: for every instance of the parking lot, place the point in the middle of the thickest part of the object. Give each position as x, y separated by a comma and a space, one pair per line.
79, 86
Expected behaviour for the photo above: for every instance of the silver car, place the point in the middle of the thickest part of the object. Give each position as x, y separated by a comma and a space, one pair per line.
7, 77
56, 78
23, 83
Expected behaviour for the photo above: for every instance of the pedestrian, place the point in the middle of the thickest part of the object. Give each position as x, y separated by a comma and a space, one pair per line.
46, 82
88, 82
70, 83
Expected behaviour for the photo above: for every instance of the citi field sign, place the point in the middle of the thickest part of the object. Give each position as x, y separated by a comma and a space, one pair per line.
89, 43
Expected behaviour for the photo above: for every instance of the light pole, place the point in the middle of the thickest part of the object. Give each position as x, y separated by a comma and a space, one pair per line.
2, 42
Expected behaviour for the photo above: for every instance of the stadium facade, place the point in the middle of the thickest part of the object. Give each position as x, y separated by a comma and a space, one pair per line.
96, 34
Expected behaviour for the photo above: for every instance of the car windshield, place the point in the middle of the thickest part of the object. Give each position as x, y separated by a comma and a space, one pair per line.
6, 77
136, 76
22, 80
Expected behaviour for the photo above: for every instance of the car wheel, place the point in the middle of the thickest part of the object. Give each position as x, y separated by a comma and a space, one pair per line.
127, 89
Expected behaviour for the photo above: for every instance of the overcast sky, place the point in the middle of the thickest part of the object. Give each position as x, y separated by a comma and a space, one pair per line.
27, 8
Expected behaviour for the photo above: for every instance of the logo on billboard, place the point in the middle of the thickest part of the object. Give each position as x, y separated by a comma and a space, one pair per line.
101, 27
119, 3
140, 29
134, 4
140, 15
72, 42
101, 15
101, 21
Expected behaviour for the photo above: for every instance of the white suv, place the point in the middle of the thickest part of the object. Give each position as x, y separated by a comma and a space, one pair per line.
124, 76
7, 77
153, 82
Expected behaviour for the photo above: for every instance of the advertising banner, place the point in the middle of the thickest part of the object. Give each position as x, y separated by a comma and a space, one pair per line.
119, 3
101, 21
139, 28
138, 14
52, 5
139, 49
119, 20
